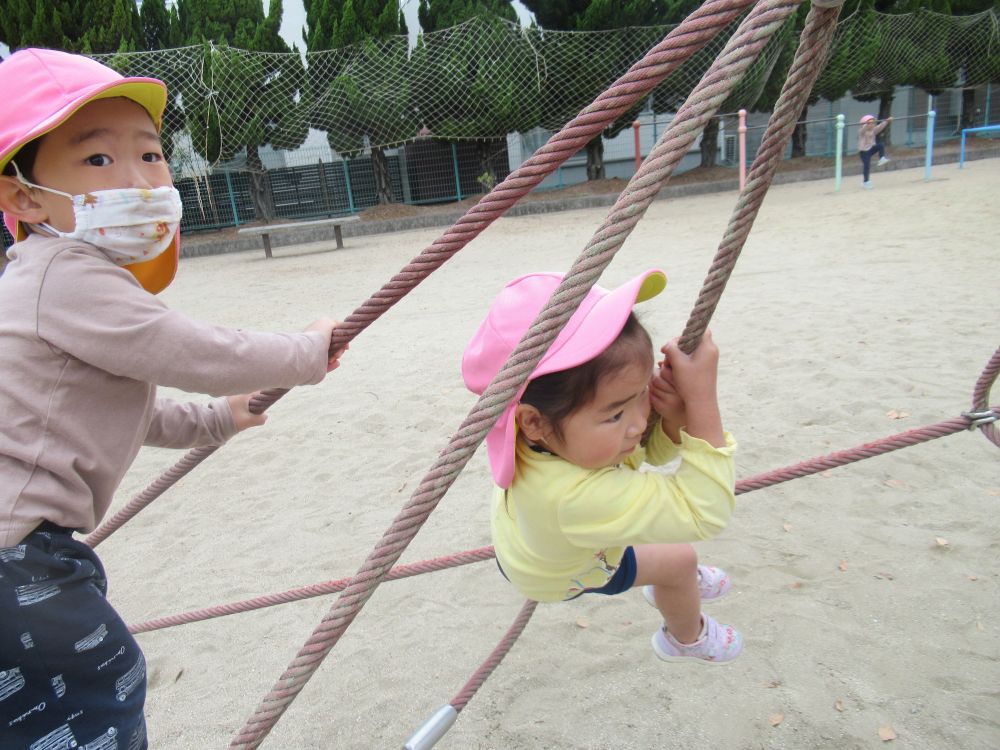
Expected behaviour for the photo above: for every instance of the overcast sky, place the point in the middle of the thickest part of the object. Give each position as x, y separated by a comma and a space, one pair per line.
294, 19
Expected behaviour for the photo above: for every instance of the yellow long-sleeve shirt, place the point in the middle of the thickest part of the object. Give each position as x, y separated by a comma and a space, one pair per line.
560, 528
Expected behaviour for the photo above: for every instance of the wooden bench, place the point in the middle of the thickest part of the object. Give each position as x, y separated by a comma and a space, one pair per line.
268, 229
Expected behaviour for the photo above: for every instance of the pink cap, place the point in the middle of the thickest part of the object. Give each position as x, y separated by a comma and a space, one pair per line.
866, 118
41, 89
592, 329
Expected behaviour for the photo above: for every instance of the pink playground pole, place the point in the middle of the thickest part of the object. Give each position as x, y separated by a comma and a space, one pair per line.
638, 151
743, 148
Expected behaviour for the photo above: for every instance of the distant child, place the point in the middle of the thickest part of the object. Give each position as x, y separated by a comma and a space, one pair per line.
869, 145
87, 195
572, 512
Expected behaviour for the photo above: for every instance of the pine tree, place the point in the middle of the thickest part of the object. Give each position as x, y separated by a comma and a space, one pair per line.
581, 69
155, 20
357, 112
468, 82
253, 100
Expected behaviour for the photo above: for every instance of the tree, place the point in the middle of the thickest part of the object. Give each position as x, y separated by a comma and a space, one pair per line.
154, 19
475, 76
92, 26
435, 15
579, 67
252, 100
361, 97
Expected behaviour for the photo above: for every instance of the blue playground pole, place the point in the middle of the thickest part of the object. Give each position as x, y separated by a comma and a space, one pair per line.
961, 151
454, 163
838, 170
931, 114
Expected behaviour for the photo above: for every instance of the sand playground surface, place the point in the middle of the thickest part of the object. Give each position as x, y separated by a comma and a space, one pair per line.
868, 596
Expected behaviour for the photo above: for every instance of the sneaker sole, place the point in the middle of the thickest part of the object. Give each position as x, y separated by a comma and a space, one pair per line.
689, 659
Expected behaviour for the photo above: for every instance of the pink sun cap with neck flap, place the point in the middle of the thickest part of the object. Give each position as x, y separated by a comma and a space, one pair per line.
591, 329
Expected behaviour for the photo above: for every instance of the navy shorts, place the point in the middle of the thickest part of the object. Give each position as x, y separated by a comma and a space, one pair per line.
622, 580
71, 675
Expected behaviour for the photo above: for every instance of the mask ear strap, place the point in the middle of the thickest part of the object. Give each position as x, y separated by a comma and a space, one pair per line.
20, 178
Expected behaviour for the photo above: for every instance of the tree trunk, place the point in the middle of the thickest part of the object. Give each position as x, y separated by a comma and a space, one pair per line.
885, 111
487, 176
799, 140
383, 182
710, 143
968, 117
595, 158
260, 187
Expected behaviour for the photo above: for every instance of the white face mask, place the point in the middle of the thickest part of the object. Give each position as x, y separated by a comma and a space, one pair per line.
131, 225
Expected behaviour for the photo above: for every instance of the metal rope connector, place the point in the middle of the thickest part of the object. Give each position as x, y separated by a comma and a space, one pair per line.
981, 418
433, 730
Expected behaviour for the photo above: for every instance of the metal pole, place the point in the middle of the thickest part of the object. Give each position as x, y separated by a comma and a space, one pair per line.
232, 199
961, 152
743, 147
638, 149
989, 104
722, 140
838, 170
829, 133
347, 182
931, 115
454, 163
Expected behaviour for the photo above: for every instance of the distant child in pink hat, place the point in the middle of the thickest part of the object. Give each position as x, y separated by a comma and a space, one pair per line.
87, 195
869, 145
573, 513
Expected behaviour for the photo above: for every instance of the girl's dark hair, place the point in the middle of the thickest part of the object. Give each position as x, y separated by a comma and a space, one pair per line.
559, 394
25, 158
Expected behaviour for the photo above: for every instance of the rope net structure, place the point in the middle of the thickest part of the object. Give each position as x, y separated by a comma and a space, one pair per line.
488, 77
737, 59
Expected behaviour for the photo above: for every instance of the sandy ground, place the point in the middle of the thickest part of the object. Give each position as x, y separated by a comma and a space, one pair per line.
869, 596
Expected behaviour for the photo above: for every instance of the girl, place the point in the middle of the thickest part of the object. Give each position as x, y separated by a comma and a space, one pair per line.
572, 512
88, 197
869, 145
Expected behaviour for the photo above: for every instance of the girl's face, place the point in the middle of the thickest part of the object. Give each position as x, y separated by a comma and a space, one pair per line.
608, 429
108, 143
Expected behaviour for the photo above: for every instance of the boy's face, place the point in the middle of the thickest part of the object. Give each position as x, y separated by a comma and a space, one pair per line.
108, 143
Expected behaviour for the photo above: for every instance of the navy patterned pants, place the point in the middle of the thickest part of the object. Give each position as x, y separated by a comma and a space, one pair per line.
71, 675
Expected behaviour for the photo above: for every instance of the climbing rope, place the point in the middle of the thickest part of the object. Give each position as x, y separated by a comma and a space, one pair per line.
680, 44
717, 83
307, 592
725, 72
814, 45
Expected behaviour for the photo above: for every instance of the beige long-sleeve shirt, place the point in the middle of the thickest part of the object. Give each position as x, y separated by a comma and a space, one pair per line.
82, 348
867, 134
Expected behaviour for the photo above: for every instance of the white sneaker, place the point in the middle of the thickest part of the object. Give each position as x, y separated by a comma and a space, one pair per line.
716, 644
867, 185
713, 583
882, 162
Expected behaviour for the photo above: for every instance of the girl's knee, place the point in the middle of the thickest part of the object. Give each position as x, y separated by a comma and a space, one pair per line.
666, 564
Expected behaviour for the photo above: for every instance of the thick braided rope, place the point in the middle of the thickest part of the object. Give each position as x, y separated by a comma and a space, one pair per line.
840, 458
726, 71
683, 41
758, 481
463, 696
981, 395
312, 590
166, 480
809, 58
